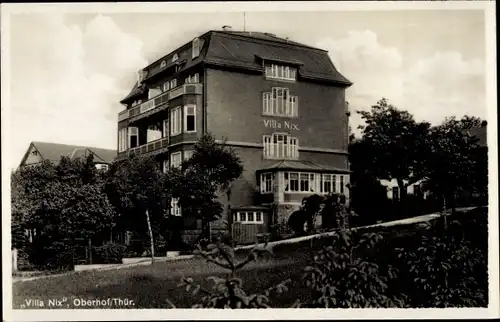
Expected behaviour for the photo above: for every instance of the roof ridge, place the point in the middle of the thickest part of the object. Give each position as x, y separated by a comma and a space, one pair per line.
284, 42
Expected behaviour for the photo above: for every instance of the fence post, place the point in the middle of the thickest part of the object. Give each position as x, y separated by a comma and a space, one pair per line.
14, 260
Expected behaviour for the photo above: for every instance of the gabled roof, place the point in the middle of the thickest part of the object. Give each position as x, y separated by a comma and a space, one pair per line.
300, 165
137, 90
246, 50
54, 151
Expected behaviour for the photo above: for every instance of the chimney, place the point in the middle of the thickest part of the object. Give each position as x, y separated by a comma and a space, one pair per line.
226, 28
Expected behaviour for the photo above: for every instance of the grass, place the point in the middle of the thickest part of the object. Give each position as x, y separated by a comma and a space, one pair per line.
151, 286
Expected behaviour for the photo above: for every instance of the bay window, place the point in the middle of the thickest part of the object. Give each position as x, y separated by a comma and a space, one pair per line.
175, 121
175, 160
266, 182
190, 118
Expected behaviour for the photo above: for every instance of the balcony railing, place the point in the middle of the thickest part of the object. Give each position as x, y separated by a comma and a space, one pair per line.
149, 147
160, 100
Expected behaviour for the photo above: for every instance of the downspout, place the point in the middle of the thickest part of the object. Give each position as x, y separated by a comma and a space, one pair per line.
204, 125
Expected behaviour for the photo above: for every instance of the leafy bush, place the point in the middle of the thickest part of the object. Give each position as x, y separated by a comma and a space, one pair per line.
447, 270
340, 279
229, 293
111, 253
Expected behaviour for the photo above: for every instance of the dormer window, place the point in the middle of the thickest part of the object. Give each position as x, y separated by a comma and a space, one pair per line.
163, 64
175, 58
196, 48
281, 72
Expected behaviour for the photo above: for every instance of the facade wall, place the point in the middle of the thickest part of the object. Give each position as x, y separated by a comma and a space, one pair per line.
235, 103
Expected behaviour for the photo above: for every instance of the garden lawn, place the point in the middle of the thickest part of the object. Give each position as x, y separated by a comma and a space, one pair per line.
151, 286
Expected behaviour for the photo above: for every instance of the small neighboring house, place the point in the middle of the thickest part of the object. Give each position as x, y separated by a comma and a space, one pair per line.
393, 191
39, 151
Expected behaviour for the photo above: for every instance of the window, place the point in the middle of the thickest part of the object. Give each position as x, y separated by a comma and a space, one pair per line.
165, 128
175, 160
249, 217
280, 146
102, 166
190, 118
166, 86
326, 183
122, 140
175, 209
163, 64
299, 182
188, 154
165, 165
133, 137
192, 79
281, 72
266, 183
341, 184
279, 102
173, 83
175, 58
175, 121
154, 132
196, 48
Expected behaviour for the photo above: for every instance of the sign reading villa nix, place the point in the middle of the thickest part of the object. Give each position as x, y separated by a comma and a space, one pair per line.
273, 124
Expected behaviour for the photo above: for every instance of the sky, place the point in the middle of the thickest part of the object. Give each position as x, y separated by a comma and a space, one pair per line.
68, 72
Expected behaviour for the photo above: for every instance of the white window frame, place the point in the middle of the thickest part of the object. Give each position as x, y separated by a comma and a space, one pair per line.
175, 58
242, 217
176, 163
133, 131
188, 154
122, 140
176, 121
175, 209
173, 83
280, 146
279, 102
192, 79
267, 182
281, 72
301, 179
166, 86
186, 115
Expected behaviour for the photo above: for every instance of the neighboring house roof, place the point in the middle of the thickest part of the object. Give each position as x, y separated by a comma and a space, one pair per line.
246, 50
54, 151
300, 165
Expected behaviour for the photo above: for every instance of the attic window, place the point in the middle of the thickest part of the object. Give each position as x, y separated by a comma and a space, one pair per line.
163, 64
196, 47
281, 72
34, 152
175, 58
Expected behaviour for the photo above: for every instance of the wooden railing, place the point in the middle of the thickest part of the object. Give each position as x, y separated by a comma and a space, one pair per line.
149, 147
160, 100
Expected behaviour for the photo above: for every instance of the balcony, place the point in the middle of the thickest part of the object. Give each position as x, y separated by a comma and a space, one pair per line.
153, 147
159, 102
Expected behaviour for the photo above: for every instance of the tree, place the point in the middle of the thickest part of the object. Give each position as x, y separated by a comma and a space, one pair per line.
203, 178
395, 144
58, 204
136, 188
451, 160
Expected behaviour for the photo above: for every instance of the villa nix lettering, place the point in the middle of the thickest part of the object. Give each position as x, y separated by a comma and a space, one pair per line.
273, 124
